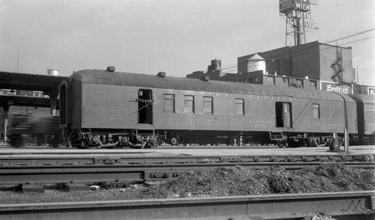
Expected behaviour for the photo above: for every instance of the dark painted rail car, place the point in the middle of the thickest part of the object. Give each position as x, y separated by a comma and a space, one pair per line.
113, 109
366, 118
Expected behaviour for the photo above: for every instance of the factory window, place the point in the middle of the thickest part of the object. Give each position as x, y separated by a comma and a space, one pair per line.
239, 106
313, 84
208, 105
37, 94
316, 111
286, 81
169, 103
299, 83
189, 104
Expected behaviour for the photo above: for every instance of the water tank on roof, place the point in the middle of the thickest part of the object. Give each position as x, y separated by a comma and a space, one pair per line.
256, 63
53, 72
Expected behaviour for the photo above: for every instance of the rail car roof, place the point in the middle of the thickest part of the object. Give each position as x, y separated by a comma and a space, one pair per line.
367, 99
179, 83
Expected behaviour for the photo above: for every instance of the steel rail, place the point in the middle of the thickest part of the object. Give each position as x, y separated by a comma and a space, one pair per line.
116, 159
350, 205
90, 173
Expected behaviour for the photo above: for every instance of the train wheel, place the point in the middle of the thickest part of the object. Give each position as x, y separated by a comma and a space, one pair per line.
81, 144
315, 142
154, 144
174, 141
335, 145
144, 144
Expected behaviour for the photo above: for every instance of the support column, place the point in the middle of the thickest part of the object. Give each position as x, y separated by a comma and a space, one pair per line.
53, 102
346, 140
6, 112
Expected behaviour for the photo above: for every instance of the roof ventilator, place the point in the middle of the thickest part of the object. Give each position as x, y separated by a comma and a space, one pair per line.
111, 69
161, 74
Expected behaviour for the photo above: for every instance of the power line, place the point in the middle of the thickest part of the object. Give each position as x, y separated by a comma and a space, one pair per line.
235, 66
355, 41
352, 35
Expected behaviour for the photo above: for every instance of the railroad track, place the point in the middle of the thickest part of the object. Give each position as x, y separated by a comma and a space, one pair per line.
346, 205
76, 159
68, 170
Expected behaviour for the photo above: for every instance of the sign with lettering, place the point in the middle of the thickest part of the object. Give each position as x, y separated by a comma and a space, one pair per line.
371, 91
335, 87
297, 5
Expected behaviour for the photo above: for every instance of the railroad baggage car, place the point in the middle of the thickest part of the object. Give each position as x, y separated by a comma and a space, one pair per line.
114, 109
366, 119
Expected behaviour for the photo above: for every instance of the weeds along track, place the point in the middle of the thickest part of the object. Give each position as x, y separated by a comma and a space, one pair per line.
86, 169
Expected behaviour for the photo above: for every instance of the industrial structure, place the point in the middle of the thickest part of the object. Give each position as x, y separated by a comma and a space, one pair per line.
311, 65
298, 19
303, 65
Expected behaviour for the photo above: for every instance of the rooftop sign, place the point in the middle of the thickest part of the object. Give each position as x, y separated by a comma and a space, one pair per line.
371, 91
286, 6
335, 87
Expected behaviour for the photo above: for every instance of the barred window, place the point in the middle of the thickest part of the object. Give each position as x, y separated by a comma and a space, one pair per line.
313, 84
169, 105
316, 111
208, 105
239, 105
189, 104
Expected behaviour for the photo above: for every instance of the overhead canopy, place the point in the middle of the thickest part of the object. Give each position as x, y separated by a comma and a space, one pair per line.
31, 82
25, 101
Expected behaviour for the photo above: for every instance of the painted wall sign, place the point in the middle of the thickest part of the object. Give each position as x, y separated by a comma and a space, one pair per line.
335, 87
371, 91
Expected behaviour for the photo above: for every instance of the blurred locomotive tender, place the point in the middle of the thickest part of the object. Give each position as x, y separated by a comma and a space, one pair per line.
101, 108
23, 129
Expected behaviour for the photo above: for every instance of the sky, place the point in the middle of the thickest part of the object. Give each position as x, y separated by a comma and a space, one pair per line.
174, 36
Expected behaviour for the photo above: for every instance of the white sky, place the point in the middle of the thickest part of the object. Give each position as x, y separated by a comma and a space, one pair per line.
175, 36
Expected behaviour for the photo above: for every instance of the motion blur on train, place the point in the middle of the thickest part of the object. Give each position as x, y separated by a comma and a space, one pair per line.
108, 109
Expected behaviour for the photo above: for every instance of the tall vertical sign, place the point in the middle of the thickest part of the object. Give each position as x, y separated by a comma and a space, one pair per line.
298, 19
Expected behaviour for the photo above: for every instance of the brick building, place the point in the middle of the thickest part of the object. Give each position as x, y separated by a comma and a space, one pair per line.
312, 65
313, 60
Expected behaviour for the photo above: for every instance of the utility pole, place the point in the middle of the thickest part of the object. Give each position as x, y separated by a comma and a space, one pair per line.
18, 56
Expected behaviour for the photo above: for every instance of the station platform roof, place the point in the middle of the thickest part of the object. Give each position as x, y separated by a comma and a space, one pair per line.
25, 101
30, 82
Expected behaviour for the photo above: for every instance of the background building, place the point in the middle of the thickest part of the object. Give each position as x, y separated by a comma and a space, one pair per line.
312, 65
313, 60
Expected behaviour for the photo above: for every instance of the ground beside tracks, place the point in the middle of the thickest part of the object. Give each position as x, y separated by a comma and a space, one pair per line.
217, 182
